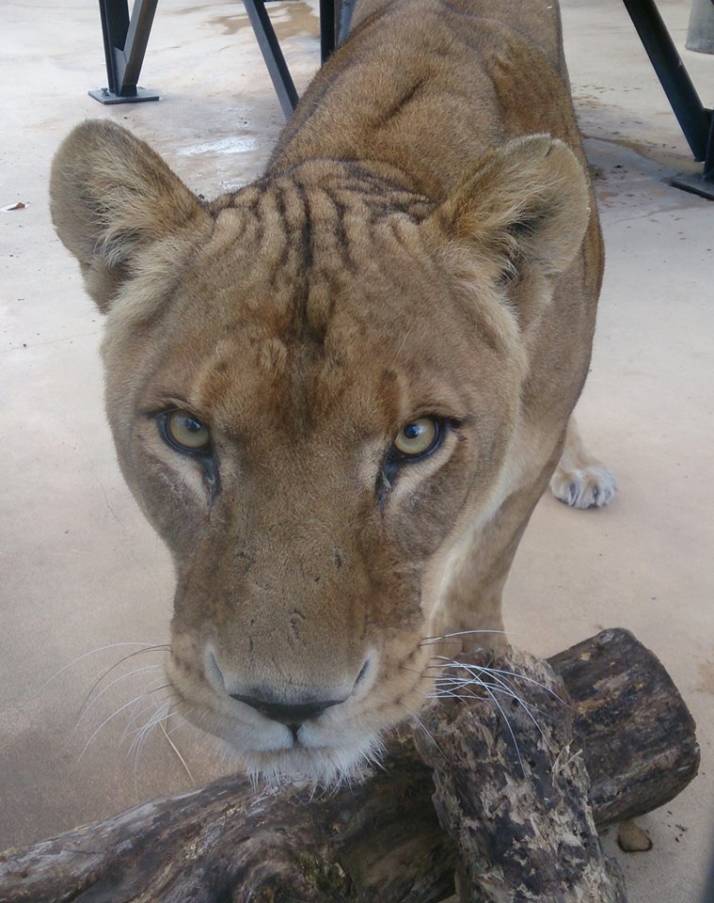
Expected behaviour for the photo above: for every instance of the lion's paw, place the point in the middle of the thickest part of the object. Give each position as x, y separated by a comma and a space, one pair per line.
588, 487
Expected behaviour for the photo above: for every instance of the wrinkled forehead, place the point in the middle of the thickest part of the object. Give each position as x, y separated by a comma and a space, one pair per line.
280, 322
249, 371
257, 376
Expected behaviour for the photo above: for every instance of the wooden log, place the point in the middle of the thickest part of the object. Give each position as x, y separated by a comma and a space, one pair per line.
514, 801
377, 841
637, 735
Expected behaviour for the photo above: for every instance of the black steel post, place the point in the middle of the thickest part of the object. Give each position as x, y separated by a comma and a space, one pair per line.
688, 108
115, 25
137, 37
327, 29
709, 159
125, 39
273, 55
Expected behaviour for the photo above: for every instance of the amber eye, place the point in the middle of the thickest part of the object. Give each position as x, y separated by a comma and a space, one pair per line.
184, 432
418, 438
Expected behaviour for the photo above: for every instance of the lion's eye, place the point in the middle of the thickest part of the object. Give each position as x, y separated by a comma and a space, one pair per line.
418, 438
185, 432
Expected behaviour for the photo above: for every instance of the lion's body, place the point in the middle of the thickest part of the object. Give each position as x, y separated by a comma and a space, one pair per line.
410, 251
431, 85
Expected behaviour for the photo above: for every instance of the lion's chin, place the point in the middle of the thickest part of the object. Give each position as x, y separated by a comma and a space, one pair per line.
269, 753
327, 766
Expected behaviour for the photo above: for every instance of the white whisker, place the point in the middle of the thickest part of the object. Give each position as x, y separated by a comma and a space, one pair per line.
431, 640
107, 720
521, 702
142, 711
455, 664
75, 661
153, 707
490, 690
157, 716
123, 659
142, 736
449, 686
160, 713
508, 725
87, 704
162, 726
455, 693
129, 727
525, 677
426, 730
501, 687
477, 670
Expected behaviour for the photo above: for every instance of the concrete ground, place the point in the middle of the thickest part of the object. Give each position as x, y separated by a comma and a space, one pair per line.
83, 577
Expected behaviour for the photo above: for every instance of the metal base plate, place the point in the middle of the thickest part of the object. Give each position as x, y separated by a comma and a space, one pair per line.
696, 183
105, 96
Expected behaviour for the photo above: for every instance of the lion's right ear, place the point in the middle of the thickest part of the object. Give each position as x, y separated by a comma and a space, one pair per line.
111, 196
526, 204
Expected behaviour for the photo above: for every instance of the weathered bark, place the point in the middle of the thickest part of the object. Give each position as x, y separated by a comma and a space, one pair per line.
637, 736
515, 800
379, 841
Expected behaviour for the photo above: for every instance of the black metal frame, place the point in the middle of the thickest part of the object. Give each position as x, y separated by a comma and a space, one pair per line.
126, 37
328, 28
125, 40
696, 121
273, 55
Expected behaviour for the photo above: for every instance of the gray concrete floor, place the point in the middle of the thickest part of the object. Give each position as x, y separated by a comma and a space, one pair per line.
80, 569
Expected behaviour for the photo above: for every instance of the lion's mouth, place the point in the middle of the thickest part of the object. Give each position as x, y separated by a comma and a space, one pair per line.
297, 736
249, 733
322, 754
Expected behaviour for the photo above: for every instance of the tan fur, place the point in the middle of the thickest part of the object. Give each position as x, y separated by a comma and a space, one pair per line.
424, 242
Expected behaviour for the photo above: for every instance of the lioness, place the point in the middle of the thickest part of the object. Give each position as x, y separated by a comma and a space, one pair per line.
339, 392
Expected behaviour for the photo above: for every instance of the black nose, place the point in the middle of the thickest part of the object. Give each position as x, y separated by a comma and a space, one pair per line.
290, 714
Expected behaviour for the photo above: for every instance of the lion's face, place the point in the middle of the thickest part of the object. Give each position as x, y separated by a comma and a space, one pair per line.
304, 539
312, 408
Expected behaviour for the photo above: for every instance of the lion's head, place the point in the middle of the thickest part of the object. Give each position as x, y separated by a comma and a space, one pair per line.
313, 385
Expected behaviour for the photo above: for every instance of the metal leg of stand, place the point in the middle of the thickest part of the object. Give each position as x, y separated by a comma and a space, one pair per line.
125, 40
328, 29
273, 55
700, 183
695, 120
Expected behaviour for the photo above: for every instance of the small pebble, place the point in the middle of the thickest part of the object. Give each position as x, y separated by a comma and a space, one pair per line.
632, 838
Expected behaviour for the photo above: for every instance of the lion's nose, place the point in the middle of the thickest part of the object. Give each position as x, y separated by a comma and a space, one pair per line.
292, 714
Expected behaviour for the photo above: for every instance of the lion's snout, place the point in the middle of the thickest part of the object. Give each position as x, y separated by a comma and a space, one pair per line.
290, 696
291, 714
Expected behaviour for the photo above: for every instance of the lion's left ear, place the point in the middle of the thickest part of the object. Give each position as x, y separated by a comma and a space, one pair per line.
526, 203
111, 196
